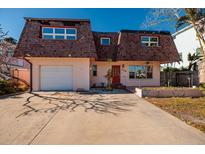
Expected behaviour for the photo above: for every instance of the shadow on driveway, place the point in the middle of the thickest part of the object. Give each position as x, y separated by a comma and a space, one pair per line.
98, 101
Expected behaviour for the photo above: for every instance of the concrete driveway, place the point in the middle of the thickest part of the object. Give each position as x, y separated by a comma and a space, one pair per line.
103, 118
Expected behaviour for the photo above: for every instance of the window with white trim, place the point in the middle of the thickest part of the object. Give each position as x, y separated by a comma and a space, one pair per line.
105, 41
59, 33
149, 41
94, 70
140, 72
10, 52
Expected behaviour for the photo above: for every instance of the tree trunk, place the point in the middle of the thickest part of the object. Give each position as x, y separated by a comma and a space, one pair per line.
200, 39
201, 46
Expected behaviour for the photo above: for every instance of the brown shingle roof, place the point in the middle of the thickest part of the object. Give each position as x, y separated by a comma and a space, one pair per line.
108, 51
32, 44
130, 47
125, 45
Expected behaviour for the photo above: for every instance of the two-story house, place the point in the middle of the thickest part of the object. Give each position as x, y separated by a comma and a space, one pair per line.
65, 54
187, 42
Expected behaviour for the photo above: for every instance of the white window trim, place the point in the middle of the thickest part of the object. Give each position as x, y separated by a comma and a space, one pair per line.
149, 41
54, 34
104, 38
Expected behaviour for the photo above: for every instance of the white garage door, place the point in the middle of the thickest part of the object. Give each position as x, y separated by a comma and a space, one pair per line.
56, 78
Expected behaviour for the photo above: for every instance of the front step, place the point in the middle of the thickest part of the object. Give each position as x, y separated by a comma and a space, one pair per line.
119, 86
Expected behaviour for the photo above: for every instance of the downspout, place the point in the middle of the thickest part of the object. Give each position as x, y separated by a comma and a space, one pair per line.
31, 74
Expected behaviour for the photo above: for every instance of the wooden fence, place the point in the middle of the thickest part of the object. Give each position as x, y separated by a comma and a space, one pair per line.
179, 78
23, 74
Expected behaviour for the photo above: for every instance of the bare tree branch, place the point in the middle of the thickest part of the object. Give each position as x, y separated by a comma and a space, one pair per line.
71, 103
159, 16
7, 62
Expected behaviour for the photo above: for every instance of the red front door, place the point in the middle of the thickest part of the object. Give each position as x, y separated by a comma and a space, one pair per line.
116, 74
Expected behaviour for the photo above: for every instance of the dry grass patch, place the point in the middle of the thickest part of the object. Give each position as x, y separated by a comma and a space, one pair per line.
190, 110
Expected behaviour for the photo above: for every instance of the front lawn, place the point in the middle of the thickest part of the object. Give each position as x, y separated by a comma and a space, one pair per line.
190, 110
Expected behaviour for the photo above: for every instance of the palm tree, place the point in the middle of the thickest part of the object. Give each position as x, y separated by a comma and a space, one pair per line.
192, 61
194, 17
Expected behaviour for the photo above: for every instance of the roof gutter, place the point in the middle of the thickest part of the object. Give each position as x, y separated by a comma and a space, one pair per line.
182, 30
56, 19
31, 74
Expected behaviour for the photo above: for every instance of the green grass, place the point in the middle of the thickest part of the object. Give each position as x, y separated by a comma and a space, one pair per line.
202, 89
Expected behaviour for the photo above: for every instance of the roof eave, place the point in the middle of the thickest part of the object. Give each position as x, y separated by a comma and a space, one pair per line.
56, 19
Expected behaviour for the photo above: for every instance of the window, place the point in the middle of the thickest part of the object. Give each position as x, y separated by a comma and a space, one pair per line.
59, 33
180, 56
48, 36
10, 52
20, 62
70, 31
149, 41
140, 72
48, 30
105, 41
1, 51
71, 38
94, 69
59, 37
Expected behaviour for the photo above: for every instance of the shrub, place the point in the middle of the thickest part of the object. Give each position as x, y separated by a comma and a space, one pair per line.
23, 87
7, 87
202, 85
170, 69
173, 69
10, 86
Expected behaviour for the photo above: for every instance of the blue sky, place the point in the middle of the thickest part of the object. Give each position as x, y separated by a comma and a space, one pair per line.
110, 20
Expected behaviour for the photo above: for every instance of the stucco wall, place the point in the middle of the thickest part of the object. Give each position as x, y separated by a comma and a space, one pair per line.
81, 70
202, 71
102, 68
186, 42
169, 92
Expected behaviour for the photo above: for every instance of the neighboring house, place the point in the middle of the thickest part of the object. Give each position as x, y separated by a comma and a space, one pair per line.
7, 52
66, 55
16, 67
186, 42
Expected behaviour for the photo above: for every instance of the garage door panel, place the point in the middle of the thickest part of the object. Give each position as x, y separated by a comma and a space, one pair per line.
56, 78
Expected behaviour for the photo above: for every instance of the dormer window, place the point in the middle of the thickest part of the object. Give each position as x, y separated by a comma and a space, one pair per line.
105, 41
59, 33
149, 41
